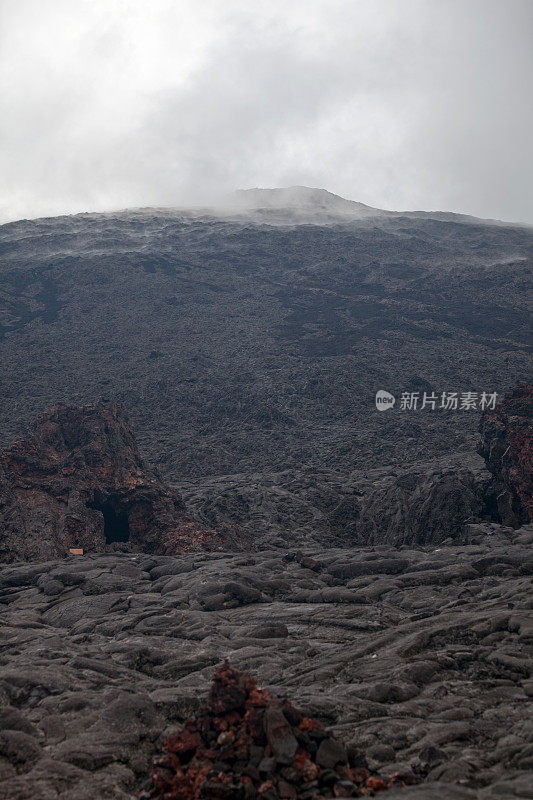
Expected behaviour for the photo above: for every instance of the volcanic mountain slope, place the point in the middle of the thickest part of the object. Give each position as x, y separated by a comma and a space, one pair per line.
251, 341
302, 204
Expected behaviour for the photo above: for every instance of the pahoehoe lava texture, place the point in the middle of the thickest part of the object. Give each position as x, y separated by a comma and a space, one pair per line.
417, 659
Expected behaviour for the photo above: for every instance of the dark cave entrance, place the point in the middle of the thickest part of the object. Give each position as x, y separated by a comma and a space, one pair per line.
116, 525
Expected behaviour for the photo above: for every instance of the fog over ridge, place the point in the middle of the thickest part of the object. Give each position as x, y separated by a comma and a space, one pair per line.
406, 105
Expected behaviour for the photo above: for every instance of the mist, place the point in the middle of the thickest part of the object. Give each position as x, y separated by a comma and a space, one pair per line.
401, 104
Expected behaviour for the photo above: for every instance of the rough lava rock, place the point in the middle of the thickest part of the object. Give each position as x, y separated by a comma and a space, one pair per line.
247, 743
507, 446
78, 481
241, 346
419, 661
421, 508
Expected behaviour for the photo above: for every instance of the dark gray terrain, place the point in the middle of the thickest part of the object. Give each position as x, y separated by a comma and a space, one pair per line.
249, 342
240, 346
419, 658
247, 345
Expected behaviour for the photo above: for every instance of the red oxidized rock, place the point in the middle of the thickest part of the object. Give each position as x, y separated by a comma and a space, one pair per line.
376, 784
79, 482
185, 742
507, 446
247, 744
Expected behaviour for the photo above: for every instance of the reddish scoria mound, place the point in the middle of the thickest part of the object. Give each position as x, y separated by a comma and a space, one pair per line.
249, 744
507, 446
79, 482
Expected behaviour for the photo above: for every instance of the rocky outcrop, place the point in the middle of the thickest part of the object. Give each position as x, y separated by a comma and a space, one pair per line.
79, 482
507, 446
421, 508
421, 502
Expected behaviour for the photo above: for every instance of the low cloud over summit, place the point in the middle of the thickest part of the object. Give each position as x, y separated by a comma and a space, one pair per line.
416, 104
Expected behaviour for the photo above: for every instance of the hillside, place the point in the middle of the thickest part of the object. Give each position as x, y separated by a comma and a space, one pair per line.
247, 342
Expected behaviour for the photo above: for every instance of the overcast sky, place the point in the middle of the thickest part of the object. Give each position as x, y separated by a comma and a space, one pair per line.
401, 104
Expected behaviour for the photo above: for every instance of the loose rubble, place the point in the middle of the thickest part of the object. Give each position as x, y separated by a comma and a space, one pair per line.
249, 744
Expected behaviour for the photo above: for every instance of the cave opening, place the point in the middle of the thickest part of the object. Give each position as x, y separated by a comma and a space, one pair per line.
116, 525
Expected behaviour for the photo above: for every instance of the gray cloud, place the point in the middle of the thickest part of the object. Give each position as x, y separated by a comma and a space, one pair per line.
403, 104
